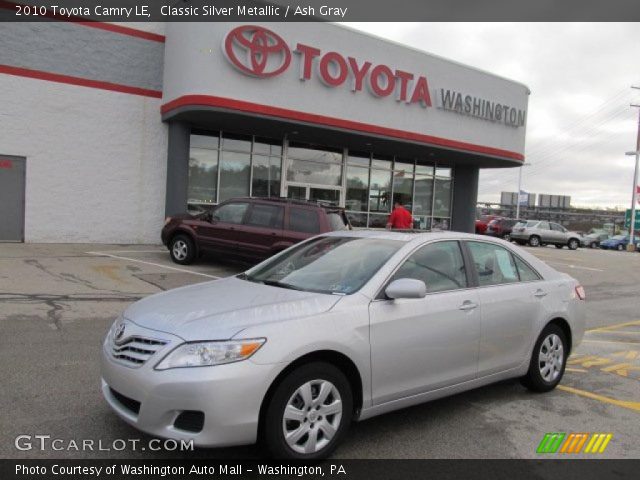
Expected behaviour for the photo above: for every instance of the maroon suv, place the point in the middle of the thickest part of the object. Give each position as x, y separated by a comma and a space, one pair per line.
249, 228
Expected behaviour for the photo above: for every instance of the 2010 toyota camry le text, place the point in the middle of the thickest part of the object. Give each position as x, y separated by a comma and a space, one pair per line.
341, 327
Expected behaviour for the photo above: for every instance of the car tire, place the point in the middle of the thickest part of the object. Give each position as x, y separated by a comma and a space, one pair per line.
593, 245
534, 241
548, 360
298, 396
506, 237
573, 244
559, 246
182, 249
620, 248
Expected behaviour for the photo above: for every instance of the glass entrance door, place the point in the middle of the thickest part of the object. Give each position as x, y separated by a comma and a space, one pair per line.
313, 193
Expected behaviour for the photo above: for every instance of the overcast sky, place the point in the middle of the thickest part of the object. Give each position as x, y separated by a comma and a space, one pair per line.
579, 123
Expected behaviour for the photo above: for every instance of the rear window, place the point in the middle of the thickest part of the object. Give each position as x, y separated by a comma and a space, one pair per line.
337, 221
304, 220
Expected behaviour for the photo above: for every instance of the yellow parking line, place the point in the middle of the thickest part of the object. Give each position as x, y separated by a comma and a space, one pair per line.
579, 370
624, 332
615, 325
612, 341
594, 396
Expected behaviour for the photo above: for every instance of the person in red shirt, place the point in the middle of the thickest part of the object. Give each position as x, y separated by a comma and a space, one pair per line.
400, 218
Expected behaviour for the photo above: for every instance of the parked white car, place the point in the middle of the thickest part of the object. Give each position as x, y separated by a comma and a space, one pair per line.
340, 327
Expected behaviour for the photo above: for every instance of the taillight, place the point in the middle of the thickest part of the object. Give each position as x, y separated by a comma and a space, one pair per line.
580, 292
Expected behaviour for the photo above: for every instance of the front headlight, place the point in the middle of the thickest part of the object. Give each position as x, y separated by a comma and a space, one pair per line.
203, 354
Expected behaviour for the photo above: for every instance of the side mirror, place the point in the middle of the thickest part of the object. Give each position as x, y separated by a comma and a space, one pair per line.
406, 288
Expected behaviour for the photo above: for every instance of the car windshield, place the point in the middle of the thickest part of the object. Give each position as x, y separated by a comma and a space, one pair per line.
337, 265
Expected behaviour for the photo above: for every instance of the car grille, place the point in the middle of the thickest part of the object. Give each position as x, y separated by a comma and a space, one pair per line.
136, 350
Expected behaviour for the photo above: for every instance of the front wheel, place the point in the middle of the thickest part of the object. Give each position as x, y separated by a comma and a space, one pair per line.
182, 249
534, 241
548, 360
594, 245
309, 413
620, 248
573, 244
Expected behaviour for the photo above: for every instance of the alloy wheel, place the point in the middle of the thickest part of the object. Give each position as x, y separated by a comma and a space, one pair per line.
312, 416
180, 249
551, 358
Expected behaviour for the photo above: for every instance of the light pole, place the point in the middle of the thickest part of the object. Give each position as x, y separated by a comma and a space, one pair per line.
519, 188
634, 197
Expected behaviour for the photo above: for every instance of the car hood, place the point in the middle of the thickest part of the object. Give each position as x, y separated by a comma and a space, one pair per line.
611, 241
220, 309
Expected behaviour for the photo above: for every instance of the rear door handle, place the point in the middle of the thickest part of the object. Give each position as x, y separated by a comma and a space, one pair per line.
468, 305
540, 294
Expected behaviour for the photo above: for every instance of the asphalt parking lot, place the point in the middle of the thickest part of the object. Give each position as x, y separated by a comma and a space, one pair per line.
57, 302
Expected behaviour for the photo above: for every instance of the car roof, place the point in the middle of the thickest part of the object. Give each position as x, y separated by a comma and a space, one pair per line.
407, 235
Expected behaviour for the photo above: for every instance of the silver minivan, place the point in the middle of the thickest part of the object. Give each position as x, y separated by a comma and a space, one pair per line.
542, 232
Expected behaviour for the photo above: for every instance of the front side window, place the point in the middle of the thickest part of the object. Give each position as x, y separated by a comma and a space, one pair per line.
303, 220
439, 265
339, 265
494, 264
544, 226
557, 228
230, 212
266, 216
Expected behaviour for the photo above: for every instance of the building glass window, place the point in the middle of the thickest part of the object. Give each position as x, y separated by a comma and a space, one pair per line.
381, 162
234, 175
203, 169
423, 197
236, 143
303, 171
266, 176
442, 196
357, 188
380, 191
359, 159
309, 164
403, 184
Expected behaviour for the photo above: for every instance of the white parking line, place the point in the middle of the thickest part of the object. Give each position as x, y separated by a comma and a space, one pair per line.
104, 254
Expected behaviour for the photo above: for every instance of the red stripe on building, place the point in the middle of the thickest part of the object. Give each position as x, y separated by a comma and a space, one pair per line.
109, 27
220, 102
78, 81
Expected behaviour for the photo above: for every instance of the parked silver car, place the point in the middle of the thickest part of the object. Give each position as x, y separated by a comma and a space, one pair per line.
340, 327
593, 240
541, 232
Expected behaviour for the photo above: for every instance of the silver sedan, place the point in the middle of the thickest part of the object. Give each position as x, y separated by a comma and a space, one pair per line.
341, 327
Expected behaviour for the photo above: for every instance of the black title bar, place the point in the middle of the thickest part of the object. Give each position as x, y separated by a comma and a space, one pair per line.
320, 10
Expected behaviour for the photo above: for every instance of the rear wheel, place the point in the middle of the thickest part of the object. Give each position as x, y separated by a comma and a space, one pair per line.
620, 248
309, 413
573, 244
534, 241
182, 249
594, 245
548, 360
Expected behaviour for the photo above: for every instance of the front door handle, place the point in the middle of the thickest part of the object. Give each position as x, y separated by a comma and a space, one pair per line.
540, 294
468, 305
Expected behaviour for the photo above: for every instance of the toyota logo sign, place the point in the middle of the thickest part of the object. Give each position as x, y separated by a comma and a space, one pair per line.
257, 51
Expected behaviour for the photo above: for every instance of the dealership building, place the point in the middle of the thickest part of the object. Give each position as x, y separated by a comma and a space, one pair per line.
105, 129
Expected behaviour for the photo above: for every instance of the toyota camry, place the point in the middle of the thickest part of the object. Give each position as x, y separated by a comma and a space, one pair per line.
341, 327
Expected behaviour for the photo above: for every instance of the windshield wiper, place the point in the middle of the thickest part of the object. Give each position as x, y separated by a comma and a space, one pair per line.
276, 283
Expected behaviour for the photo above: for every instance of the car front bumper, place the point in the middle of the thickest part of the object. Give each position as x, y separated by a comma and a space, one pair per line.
230, 396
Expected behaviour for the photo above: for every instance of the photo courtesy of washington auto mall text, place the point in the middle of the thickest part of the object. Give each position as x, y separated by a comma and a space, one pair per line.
337, 239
